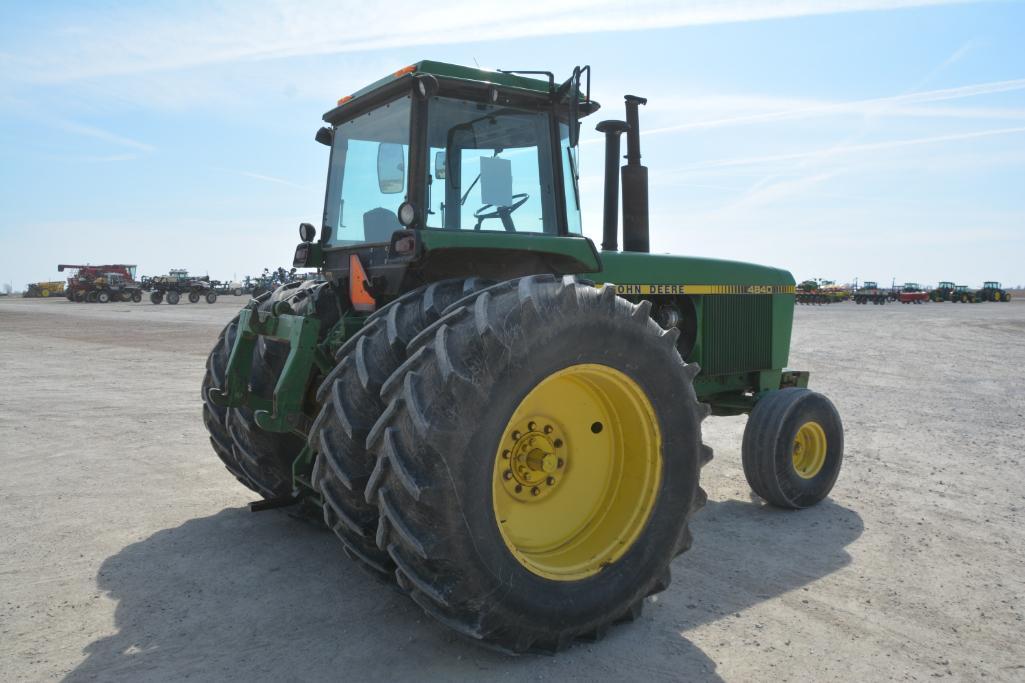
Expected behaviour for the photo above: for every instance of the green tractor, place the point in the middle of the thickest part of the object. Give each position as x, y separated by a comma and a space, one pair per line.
964, 295
943, 292
484, 407
993, 291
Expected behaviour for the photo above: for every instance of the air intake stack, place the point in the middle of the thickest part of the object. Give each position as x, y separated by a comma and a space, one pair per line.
635, 183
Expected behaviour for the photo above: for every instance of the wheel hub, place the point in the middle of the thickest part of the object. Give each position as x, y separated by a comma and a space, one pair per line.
810, 448
535, 458
567, 520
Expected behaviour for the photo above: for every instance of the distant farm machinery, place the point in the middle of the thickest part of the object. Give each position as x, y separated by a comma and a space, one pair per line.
870, 293
912, 293
822, 292
176, 283
101, 284
992, 291
44, 290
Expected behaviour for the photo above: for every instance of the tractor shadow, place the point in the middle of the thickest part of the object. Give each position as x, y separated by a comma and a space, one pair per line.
238, 595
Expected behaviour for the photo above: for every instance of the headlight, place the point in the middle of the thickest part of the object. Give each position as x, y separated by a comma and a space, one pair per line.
407, 214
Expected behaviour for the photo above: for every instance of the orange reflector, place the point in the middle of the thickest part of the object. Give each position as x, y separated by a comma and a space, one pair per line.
358, 293
344, 99
405, 70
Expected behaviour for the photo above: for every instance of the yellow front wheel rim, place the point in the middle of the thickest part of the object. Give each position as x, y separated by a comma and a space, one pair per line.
809, 450
577, 472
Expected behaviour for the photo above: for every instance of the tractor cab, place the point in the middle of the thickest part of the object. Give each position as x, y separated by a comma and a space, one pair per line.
435, 147
869, 284
992, 285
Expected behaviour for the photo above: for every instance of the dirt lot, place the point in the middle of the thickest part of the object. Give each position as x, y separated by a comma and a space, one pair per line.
127, 551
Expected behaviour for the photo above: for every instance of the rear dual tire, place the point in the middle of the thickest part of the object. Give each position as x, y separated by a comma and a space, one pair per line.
351, 404
462, 550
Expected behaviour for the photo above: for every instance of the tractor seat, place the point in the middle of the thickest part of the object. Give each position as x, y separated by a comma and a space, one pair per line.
379, 224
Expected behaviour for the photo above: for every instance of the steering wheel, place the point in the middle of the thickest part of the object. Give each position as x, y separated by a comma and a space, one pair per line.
503, 212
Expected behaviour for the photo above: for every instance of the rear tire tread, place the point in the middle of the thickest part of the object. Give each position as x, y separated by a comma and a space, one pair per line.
427, 566
351, 399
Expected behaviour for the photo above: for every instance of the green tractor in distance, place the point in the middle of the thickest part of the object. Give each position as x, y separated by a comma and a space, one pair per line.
993, 291
943, 292
485, 408
964, 295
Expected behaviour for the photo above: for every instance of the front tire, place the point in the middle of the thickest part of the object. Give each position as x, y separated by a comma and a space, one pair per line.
211, 297
468, 548
173, 297
156, 297
193, 297
793, 448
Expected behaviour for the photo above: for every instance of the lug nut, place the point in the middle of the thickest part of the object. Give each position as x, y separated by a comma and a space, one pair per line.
519, 489
506, 454
507, 475
560, 463
550, 481
548, 429
531, 427
535, 491
515, 436
557, 443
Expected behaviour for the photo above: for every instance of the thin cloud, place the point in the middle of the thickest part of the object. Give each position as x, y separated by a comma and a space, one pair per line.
851, 149
889, 105
100, 134
161, 40
107, 159
271, 179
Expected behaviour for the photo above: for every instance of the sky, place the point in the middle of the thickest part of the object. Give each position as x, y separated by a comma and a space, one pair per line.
840, 139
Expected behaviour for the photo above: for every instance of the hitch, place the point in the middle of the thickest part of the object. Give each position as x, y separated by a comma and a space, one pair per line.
273, 503
283, 412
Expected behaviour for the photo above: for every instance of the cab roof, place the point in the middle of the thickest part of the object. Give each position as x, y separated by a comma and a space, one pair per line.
453, 72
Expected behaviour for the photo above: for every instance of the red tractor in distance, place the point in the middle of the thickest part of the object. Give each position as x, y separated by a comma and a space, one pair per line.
114, 282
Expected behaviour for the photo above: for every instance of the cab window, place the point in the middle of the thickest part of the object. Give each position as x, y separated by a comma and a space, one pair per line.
369, 175
490, 168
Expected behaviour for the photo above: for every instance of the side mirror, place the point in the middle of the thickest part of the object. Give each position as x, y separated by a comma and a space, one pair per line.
391, 168
325, 136
307, 233
439, 166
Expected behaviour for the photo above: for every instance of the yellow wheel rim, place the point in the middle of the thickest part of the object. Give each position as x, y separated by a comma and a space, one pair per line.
577, 472
809, 450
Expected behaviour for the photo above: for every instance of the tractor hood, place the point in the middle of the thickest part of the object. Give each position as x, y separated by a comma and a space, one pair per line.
664, 270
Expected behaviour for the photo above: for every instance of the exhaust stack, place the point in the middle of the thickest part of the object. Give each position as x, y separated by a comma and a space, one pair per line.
635, 183
613, 130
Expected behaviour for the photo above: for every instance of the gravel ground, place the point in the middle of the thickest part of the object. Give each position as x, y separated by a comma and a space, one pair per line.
127, 551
